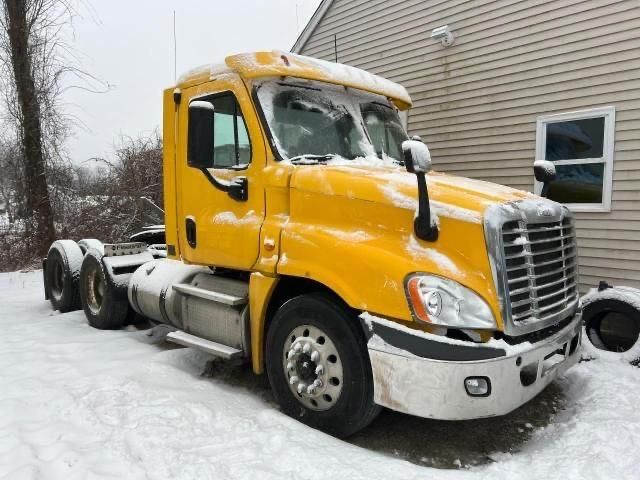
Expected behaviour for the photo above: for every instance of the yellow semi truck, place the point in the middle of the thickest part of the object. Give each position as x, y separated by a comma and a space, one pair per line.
305, 233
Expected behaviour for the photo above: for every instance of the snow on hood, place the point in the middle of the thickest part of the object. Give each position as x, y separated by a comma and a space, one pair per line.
453, 197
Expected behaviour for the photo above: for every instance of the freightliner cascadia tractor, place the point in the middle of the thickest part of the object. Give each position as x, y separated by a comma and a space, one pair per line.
305, 234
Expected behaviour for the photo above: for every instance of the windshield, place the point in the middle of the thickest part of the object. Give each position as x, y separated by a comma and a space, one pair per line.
316, 121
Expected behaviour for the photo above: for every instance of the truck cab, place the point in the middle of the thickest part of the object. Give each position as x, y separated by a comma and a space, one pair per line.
306, 234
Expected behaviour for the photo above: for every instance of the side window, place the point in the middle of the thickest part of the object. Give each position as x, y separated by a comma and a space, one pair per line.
580, 144
231, 146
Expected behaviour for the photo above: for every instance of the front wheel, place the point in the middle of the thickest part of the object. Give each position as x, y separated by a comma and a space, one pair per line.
318, 365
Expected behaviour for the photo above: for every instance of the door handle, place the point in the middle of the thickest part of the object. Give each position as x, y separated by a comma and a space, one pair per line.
190, 228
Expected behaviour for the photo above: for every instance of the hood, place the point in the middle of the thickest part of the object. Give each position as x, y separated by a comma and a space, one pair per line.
350, 228
455, 197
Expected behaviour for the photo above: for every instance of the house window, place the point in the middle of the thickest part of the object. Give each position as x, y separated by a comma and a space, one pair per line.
581, 145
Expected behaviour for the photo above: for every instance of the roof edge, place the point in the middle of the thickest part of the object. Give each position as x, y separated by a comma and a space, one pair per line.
311, 25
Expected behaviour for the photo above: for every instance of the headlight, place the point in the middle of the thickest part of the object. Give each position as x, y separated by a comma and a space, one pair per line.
440, 301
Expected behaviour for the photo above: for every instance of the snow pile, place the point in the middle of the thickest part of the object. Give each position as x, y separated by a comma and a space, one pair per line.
78, 403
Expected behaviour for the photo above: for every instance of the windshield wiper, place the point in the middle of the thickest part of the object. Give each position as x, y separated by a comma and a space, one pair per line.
311, 159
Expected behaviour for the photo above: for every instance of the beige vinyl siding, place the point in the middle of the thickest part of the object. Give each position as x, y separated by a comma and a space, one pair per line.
476, 103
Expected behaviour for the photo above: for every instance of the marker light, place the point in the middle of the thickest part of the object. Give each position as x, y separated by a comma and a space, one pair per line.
477, 386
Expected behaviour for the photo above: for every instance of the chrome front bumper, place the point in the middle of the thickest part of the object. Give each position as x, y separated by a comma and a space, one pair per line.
425, 377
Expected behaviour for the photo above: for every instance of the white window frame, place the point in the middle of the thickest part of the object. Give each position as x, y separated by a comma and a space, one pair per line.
608, 148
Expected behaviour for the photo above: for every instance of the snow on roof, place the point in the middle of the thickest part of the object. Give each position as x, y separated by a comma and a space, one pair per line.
280, 64
203, 73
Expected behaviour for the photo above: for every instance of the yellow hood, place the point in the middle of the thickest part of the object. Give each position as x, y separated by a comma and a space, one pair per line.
351, 228
451, 196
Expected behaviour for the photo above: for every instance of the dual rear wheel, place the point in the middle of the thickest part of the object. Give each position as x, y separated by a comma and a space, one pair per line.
75, 279
63, 274
103, 307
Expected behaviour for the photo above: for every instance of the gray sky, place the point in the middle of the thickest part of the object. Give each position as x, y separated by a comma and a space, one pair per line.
129, 45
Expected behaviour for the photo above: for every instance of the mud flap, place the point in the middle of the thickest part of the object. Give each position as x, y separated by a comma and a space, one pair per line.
118, 270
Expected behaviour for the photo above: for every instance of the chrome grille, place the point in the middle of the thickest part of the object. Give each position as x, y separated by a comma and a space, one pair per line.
541, 269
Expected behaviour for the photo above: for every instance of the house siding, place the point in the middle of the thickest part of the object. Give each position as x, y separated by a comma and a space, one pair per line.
476, 102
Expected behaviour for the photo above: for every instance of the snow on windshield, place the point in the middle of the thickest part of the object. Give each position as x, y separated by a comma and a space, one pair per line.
313, 121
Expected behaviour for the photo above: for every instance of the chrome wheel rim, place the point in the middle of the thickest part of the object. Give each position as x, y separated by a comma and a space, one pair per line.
313, 368
95, 290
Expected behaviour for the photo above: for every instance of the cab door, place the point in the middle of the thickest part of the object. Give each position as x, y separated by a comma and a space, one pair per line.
220, 196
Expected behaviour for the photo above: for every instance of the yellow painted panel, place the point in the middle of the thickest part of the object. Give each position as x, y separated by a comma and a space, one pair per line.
260, 289
228, 230
169, 172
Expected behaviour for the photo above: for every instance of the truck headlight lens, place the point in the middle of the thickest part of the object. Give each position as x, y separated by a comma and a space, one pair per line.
440, 301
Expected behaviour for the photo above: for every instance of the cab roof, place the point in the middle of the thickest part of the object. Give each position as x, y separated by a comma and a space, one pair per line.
280, 64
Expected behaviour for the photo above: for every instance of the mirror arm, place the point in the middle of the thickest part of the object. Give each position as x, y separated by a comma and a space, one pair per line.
544, 193
422, 223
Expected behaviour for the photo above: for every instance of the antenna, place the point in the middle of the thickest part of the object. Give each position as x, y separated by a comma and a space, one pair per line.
175, 50
335, 47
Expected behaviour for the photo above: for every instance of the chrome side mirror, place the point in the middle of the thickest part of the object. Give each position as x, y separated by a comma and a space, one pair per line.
545, 173
417, 158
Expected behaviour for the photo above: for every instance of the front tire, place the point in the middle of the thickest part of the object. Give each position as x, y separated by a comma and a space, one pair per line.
102, 306
318, 365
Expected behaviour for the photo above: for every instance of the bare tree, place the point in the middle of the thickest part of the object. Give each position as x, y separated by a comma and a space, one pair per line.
29, 43
100, 202
11, 188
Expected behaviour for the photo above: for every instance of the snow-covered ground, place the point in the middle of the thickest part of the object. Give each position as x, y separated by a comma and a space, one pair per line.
81, 403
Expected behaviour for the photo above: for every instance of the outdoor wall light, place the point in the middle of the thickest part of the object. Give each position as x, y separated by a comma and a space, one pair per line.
444, 35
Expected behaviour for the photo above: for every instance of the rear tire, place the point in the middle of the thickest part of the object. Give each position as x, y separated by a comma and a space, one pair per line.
87, 244
62, 274
327, 337
102, 306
